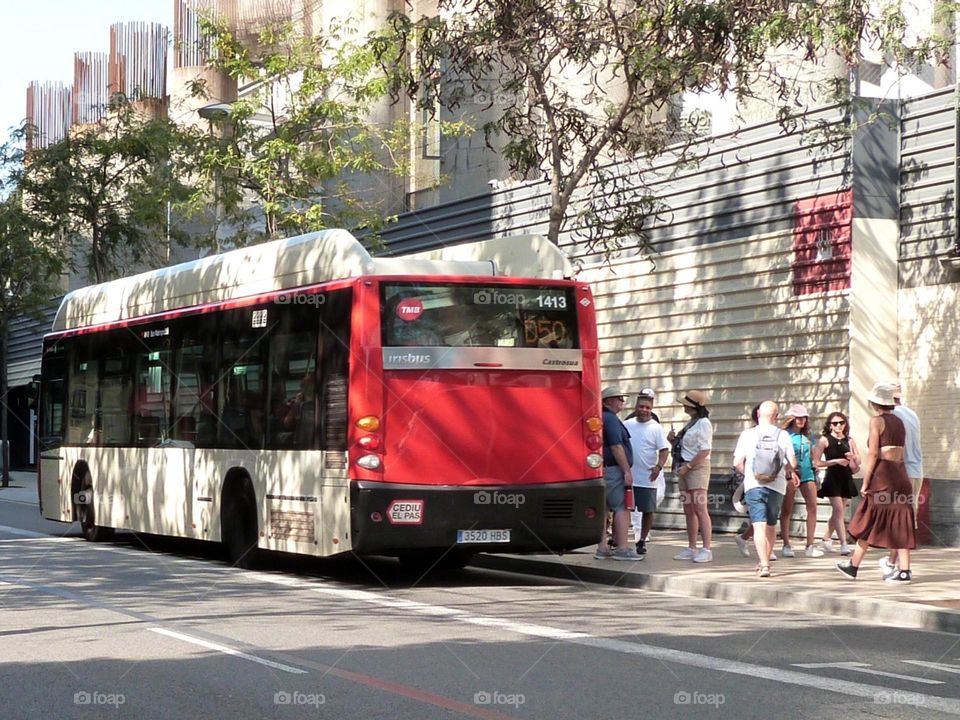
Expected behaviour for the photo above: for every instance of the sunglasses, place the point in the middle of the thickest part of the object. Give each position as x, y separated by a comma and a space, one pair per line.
838, 422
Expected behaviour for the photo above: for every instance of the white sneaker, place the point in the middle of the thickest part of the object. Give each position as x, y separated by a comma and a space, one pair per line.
742, 546
685, 554
827, 546
887, 566
703, 555
845, 549
773, 555
813, 551
788, 551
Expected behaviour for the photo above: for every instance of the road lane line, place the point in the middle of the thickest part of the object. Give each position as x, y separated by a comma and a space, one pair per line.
865, 668
143, 617
875, 693
23, 533
227, 650
936, 666
388, 686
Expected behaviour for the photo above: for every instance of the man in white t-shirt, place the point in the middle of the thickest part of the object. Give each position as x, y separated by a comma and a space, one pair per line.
764, 499
650, 448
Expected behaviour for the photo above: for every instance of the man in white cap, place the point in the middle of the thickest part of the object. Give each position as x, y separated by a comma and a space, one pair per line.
912, 458
650, 448
617, 462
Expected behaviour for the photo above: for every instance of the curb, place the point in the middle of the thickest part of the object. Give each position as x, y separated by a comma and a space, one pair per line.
882, 612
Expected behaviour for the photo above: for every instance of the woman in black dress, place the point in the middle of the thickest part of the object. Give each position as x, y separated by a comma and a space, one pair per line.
837, 453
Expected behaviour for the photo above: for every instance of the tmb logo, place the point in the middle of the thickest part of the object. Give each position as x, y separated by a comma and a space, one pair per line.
409, 309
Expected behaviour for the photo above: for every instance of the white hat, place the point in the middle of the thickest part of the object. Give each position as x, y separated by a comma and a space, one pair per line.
882, 394
612, 391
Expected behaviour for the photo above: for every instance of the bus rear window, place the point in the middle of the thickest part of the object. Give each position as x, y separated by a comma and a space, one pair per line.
452, 315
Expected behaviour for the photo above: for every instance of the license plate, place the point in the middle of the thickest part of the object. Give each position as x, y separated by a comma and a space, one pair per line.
483, 536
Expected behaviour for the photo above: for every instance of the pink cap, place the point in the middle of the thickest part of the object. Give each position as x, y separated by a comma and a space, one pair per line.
797, 410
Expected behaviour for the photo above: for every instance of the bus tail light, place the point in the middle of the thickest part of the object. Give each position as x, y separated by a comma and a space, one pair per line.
594, 424
376, 517
370, 423
594, 441
369, 462
590, 513
369, 442
594, 460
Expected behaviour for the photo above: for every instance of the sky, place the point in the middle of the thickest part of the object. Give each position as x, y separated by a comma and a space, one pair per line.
39, 37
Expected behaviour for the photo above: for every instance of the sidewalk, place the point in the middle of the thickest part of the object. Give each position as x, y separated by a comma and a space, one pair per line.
931, 602
23, 488
813, 585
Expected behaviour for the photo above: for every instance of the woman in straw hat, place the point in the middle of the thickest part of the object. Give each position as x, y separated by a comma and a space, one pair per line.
691, 464
884, 518
797, 423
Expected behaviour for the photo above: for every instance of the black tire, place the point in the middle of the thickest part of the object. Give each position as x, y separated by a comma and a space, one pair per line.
87, 514
238, 525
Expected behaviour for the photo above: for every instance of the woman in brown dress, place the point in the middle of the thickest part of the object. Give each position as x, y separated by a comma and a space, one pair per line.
884, 517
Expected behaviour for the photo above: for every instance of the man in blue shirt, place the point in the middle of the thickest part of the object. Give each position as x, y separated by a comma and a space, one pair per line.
617, 461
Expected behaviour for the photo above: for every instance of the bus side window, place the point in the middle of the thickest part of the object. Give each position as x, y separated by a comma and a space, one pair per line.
194, 401
335, 368
151, 406
82, 424
53, 396
244, 336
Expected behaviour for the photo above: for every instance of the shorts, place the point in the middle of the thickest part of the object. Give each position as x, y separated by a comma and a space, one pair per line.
645, 498
613, 477
696, 479
763, 504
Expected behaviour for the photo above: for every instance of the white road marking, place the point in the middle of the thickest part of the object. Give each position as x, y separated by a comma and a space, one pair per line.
228, 650
145, 618
936, 666
874, 693
23, 533
865, 668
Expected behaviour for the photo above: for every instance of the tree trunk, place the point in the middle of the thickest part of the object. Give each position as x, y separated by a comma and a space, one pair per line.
4, 445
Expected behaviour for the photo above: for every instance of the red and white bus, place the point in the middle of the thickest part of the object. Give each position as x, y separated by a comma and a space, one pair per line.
303, 396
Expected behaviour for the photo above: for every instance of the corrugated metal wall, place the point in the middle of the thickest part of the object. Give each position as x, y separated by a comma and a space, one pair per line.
714, 305
929, 301
927, 209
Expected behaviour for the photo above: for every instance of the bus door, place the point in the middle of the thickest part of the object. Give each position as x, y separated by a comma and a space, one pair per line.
157, 498
53, 390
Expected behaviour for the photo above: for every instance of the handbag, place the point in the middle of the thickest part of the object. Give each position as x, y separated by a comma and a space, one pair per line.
676, 449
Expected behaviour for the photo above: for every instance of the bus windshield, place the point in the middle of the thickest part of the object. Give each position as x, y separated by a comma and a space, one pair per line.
457, 315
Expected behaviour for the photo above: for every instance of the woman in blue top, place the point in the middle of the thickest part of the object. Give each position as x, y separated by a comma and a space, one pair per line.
797, 423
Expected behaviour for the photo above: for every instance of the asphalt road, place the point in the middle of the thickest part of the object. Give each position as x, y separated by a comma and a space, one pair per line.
146, 628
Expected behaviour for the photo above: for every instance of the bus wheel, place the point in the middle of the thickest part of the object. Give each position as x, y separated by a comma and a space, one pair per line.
87, 514
433, 561
238, 523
